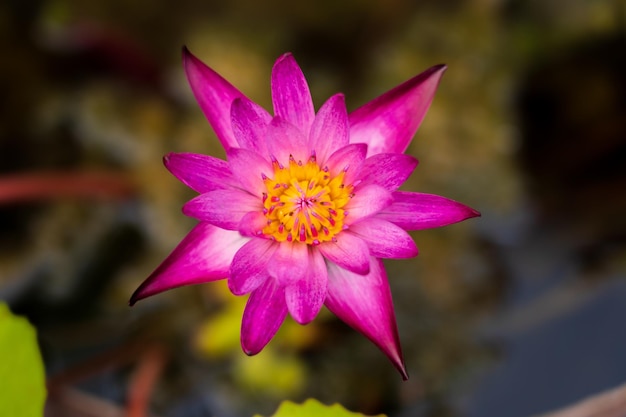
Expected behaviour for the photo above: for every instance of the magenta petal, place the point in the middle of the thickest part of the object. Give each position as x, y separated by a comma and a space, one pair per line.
367, 201
252, 224
364, 303
222, 208
248, 269
349, 252
265, 312
389, 122
204, 255
291, 95
306, 297
285, 140
385, 239
348, 159
289, 263
249, 122
214, 94
201, 173
330, 130
249, 167
389, 170
417, 211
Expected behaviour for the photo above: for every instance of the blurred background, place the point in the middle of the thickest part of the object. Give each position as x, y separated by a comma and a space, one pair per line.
516, 313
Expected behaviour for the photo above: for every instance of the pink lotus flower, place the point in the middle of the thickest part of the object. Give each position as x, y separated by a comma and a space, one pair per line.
306, 204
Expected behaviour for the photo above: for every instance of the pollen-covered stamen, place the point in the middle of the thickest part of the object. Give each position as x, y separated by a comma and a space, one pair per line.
303, 203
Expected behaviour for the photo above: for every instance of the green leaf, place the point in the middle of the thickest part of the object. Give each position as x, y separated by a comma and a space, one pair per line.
23, 391
313, 408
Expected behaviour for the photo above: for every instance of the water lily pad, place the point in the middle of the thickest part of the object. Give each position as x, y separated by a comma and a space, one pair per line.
313, 408
22, 373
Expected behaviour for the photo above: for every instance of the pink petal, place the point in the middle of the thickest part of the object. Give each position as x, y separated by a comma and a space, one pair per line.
330, 130
204, 255
367, 201
201, 173
249, 167
289, 263
349, 252
389, 170
248, 269
364, 303
285, 140
348, 159
389, 122
265, 312
215, 96
252, 224
249, 122
291, 95
417, 211
384, 239
222, 208
305, 297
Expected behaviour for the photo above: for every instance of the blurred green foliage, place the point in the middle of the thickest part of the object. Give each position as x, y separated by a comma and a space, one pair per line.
23, 389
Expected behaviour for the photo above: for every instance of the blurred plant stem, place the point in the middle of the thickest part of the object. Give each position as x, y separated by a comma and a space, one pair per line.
149, 360
610, 403
45, 185
143, 381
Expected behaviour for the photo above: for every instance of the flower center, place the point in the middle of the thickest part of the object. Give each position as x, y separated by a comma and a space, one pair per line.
303, 203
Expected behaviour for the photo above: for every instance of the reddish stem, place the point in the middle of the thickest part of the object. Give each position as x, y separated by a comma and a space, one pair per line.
143, 380
47, 185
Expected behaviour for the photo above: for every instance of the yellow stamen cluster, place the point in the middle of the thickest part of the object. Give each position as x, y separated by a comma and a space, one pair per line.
303, 203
